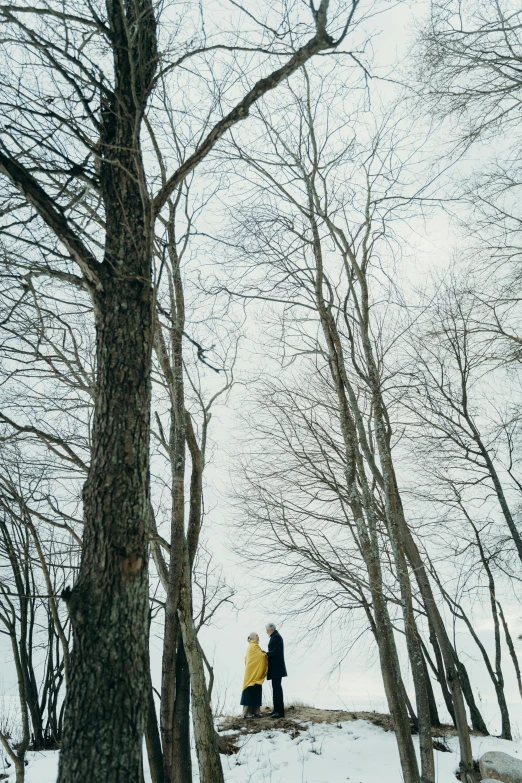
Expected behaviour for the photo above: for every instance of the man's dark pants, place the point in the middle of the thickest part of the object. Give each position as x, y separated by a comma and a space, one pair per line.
277, 692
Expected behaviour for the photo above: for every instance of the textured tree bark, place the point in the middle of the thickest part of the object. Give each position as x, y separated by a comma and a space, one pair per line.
209, 761
477, 721
181, 740
434, 713
438, 668
153, 740
108, 694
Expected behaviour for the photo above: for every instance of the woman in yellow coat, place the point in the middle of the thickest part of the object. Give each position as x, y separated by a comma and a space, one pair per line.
256, 668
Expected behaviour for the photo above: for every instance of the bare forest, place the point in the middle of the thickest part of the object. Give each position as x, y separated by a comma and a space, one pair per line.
259, 346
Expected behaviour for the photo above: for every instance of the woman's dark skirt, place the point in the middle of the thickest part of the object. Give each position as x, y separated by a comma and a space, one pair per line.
252, 696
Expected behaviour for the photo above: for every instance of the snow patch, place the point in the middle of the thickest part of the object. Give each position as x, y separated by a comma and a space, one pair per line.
353, 751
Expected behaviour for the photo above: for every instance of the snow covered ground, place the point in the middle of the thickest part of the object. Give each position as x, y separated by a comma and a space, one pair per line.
354, 751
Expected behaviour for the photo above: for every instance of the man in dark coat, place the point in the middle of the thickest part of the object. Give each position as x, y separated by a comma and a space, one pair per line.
276, 669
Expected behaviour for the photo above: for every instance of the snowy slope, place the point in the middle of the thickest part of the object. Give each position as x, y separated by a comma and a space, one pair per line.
354, 751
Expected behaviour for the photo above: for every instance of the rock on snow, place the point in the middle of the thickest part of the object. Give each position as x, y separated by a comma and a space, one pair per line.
496, 765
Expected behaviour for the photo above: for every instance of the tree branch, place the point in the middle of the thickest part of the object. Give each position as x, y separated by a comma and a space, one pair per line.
50, 212
320, 41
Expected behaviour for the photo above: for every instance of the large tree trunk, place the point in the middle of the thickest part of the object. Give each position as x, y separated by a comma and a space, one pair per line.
477, 721
181, 739
172, 367
153, 740
108, 694
207, 749
434, 713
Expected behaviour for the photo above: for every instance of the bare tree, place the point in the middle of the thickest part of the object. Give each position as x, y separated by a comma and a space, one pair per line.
470, 54
451, 373
465, 446
323, 246
43, 638
467, 70
56, 386
183, 660
30, 585
74, 106
301, 262
57, 383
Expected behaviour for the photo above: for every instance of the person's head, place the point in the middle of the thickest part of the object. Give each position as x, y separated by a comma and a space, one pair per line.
270, 628
253, 637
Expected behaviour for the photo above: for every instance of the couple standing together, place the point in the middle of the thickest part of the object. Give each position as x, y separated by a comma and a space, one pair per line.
261, 665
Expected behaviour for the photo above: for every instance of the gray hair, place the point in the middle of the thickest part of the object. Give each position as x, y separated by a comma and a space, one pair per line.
271, 625
251, 636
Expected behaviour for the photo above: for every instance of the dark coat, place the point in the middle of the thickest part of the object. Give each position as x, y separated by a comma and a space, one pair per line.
276, 656
252, 696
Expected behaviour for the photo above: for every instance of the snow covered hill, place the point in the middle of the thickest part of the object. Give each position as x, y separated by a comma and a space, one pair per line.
321, 749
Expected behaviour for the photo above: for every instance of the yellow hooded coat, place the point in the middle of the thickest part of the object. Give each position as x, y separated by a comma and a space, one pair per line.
256, 665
